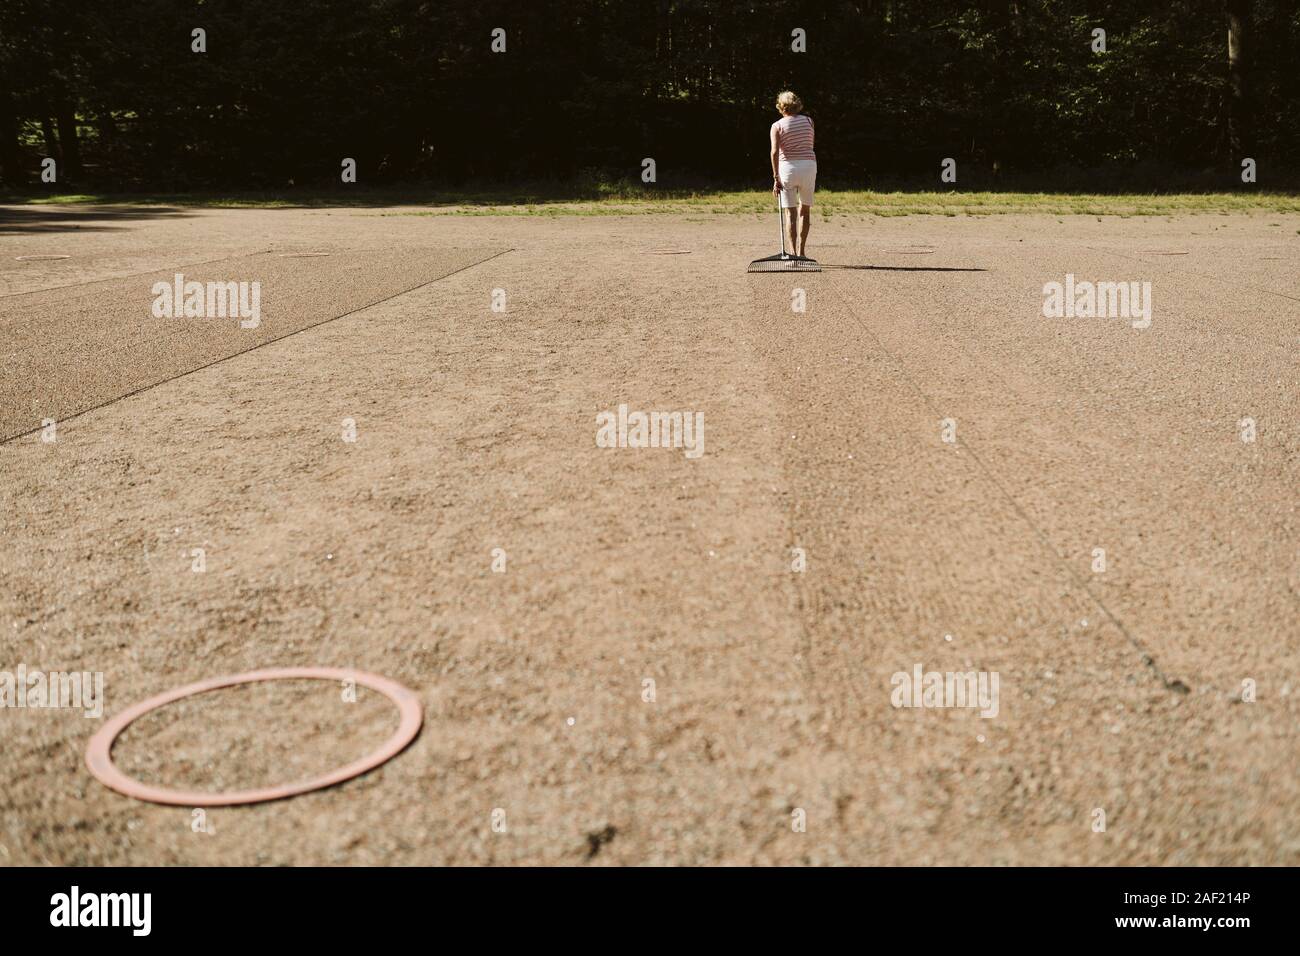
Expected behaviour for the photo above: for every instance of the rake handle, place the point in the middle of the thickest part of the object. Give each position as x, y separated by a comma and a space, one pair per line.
780, 223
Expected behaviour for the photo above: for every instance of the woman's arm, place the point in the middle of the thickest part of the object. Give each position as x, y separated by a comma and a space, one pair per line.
776, 150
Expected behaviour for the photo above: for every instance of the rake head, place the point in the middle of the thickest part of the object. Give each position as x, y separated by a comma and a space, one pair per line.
785, 263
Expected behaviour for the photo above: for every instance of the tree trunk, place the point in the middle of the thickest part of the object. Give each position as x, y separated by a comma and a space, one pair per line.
107, 128
68, 139
51, 141
11, 157
1240, 143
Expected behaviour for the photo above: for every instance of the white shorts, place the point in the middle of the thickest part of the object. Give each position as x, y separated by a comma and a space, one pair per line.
798, 178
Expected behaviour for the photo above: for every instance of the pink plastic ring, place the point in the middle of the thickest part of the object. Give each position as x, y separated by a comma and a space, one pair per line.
99, 751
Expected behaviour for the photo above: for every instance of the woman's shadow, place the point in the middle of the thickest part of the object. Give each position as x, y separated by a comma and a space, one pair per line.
827, 265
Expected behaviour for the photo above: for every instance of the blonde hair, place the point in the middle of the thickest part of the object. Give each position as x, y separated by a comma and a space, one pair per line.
789, 103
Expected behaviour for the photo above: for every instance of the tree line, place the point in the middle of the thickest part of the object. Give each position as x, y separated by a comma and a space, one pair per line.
190, 94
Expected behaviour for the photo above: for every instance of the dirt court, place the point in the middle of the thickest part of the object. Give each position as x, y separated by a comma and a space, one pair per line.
768, 733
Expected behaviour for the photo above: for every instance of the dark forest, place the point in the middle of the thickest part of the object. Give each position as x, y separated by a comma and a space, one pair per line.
1016, 92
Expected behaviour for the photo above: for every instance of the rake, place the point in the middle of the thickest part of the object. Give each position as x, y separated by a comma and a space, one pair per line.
786, 261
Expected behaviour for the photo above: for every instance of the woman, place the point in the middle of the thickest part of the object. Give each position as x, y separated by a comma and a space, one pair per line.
794, 164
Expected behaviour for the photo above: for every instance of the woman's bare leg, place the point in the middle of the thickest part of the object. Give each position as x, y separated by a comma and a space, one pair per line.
792, 223
806, 215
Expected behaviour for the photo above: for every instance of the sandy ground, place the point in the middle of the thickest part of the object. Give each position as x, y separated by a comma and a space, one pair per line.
1120, 690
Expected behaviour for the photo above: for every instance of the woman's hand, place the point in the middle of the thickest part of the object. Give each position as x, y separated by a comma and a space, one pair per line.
776, 187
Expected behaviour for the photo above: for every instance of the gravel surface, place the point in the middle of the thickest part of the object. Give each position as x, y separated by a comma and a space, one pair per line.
1119, 691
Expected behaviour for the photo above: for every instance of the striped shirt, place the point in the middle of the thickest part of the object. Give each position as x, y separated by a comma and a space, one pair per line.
796, 137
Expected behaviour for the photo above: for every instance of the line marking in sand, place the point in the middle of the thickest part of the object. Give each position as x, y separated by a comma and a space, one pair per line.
252, 348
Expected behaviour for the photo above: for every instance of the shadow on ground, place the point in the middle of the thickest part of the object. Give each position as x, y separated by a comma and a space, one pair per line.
826, 265
45, 219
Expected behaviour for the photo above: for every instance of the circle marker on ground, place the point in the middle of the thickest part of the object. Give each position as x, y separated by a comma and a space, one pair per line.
39, 258
99, 759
